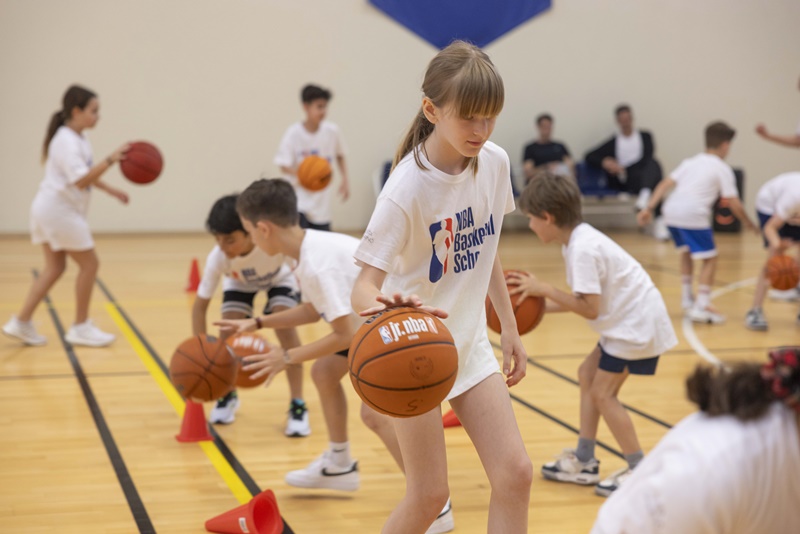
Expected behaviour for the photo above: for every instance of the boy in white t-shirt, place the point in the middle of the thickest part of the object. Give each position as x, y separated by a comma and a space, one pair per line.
313, 137
621, 303
699, 181
778, 212
325, 270
245, 271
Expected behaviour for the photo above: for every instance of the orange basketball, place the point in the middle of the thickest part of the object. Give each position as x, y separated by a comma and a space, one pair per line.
243, 345
203, 368
529, 312
783, 272
314, 173
403, 362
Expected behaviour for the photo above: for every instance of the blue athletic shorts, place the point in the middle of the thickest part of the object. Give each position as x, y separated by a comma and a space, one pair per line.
787, 231
699, 243
612, 364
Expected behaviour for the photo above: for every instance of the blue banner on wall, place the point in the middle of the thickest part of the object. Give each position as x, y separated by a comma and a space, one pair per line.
478, 21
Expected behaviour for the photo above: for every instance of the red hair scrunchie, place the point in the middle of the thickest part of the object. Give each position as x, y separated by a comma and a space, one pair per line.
782, 373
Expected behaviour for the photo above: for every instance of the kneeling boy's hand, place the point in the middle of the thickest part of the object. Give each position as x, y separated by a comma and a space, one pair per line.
236, 326
527, 285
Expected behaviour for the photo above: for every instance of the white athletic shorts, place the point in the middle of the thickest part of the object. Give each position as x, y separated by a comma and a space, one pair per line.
59, 225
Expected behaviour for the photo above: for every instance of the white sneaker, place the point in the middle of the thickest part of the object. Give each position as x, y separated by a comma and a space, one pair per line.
24, 331
297, 424
87, 334
567, 468
790, 295
642, 199
660, 230
705, 316
687, 304
612, 483
322, 473
224, 411
444, 522
755, 320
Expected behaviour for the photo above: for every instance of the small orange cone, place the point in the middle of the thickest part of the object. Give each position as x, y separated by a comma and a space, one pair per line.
194, 426
259, 516
450, 419
194, 277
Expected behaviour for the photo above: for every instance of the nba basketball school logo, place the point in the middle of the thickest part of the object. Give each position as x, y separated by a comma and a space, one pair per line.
441, 241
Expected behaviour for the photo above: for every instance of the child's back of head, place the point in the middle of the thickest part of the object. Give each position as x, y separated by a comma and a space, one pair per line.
312, 92
223, 218
271, 200
718, 133
554, 194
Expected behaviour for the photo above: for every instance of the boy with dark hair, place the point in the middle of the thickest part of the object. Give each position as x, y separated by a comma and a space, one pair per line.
617, 297
699, 181
246, 270
313, 137
324, 266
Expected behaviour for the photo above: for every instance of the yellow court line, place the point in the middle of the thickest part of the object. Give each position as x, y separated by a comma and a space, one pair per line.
219, 462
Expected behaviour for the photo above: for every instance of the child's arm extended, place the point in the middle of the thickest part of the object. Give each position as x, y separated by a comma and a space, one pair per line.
663, 187
513, 350
299, 315
277, 359
119, 194
587, 306
738, 210
367, 291
199, 310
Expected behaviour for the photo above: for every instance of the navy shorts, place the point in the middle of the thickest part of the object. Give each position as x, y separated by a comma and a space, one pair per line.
787, 231
242, 301
343, 353
699, 242
612, 364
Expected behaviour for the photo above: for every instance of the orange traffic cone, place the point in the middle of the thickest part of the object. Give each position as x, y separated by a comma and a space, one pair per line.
450, 419
259, 516
194, 426
194, 277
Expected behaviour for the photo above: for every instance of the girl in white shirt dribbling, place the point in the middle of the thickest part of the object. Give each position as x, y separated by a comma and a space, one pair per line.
58, 217
433, 239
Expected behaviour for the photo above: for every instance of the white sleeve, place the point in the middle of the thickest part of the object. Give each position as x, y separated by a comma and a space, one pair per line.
329, 293
285, 155
727, 183
385, 237
506, 176
213, 271
679, 172
67, 157
788, 207
585, 272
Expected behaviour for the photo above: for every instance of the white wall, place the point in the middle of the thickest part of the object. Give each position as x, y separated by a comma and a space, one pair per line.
214, 83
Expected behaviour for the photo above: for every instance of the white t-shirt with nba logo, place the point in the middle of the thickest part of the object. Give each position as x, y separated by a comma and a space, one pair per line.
436, 235
296, 145
251, 273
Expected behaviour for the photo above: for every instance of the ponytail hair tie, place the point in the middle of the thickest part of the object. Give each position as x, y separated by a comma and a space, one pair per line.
782, 375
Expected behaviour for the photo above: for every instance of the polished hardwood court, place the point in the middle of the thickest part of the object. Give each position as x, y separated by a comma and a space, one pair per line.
56, 474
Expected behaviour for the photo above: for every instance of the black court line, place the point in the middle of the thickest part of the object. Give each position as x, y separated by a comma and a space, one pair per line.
226, 452
128, 487
566, 425
576, 383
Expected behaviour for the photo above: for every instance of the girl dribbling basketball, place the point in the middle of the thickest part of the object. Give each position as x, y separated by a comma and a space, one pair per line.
58, 217
433, 239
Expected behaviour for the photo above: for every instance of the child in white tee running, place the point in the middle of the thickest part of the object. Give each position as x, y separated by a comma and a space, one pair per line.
612, 290
59, 217
699, 181
245, 270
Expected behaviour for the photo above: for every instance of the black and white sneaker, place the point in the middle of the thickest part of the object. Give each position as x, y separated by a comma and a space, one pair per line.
323, 473
224, 412
612, 483
444, 522
567, 468
297, 425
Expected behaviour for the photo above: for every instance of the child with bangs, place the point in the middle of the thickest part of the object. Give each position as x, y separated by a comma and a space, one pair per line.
437, 251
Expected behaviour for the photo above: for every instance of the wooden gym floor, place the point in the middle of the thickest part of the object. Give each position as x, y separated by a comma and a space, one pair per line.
67, 412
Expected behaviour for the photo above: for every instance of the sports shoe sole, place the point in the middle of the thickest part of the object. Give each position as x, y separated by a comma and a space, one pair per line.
583, 479
332, 481
25, 341
84, 343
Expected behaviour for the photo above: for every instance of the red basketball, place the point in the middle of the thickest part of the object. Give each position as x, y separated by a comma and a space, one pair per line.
243, 345
314, 173
142, 164
403, 362
203, 368
528, 313
783, 272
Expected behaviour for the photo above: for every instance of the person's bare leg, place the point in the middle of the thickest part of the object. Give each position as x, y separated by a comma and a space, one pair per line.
55, 263
88, 265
